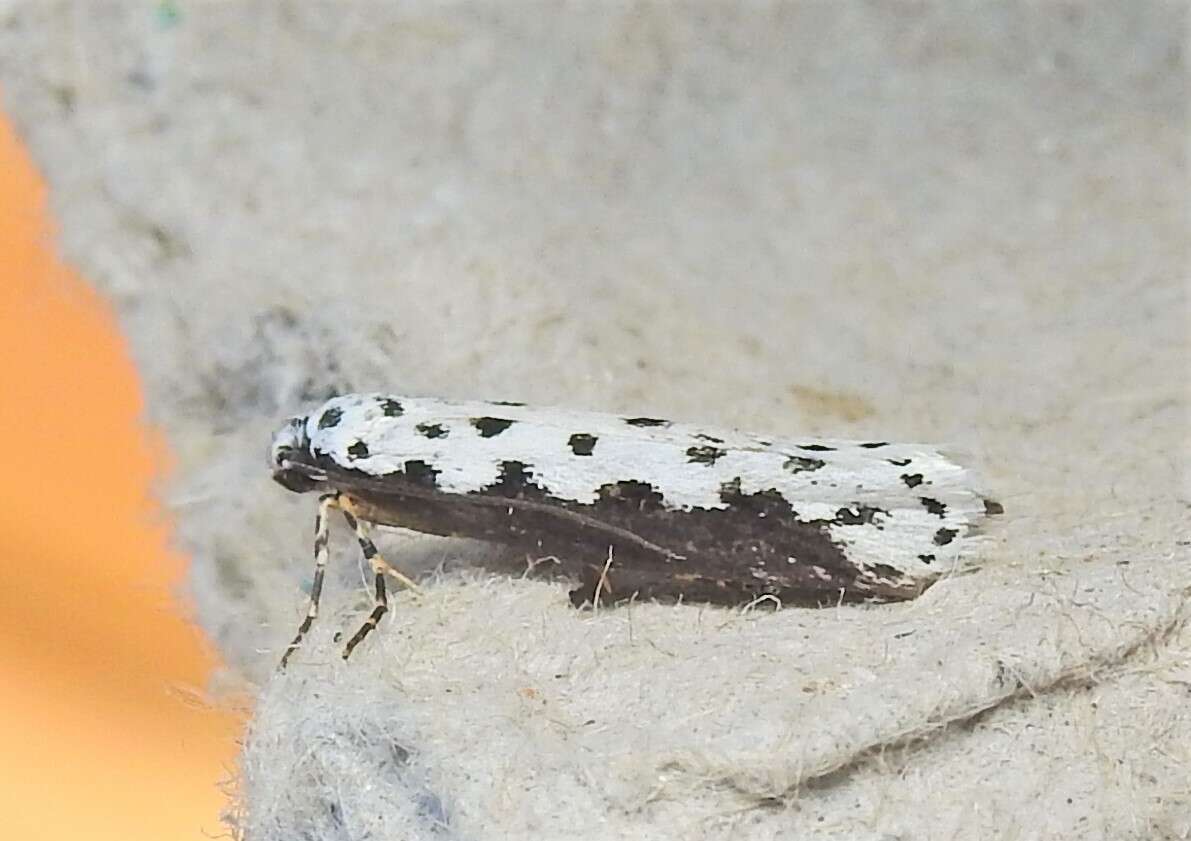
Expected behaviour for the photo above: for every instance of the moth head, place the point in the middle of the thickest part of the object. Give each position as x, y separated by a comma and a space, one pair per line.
288, 455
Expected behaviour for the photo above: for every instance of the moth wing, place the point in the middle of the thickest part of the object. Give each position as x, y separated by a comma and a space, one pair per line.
904, 506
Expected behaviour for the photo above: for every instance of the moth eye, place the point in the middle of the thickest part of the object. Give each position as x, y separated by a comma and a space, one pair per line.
289, 439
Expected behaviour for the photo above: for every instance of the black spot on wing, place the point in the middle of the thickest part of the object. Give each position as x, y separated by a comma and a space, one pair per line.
432, 430
816, 448
420, 473
391, 407
488, 427
898, 462
581, 443
912, 480
640, 496
862, 515
933, 506
886, 572
767, 504
992, 507
926, 559
802, 464
730, 491
516, 481
330, 418
646, 422
706, 454
944, 536
358, 450
874, 444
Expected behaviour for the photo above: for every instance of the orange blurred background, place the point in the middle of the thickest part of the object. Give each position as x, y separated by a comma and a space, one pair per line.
102, 733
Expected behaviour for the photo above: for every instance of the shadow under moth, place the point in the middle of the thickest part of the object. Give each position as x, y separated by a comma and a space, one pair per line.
634, 507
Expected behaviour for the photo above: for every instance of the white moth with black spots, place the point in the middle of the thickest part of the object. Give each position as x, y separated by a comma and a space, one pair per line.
683, 512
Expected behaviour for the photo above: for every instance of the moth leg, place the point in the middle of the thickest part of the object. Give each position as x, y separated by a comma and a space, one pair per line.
379, 564
380, 567
325, 504
380, 609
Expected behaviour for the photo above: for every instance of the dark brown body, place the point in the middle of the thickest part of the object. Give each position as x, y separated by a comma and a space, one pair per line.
726, 556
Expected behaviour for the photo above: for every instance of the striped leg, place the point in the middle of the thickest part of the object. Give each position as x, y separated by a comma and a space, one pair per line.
379, 564
325, 504
382, 606
380, 567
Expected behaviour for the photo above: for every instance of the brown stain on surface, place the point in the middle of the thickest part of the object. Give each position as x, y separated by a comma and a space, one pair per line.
836, 404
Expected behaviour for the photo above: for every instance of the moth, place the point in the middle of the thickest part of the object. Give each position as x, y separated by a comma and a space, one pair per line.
634, 507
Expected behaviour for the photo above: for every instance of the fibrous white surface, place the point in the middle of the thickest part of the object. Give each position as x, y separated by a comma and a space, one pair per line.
925, 222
